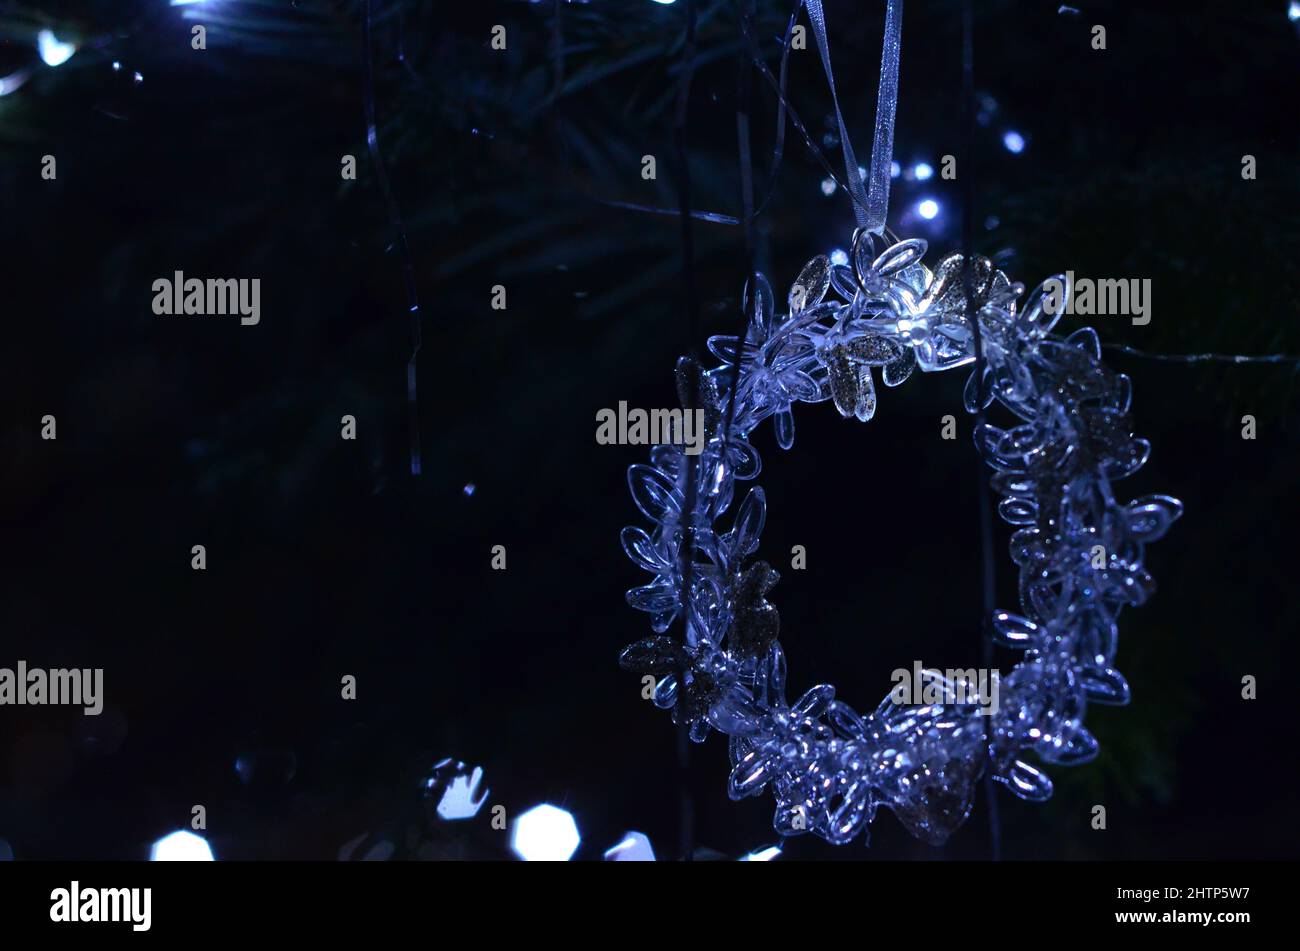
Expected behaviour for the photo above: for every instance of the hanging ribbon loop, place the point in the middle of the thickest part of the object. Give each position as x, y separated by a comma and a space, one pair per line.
871, 208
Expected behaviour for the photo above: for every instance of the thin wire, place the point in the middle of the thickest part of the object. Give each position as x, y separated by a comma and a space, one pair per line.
686, 805
778, 151
1270, 358
744, 94
988, 586
395, 218
779, 88
852, 170
710, 216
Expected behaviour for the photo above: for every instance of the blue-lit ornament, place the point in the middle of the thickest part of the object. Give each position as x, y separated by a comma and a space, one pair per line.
1079, 550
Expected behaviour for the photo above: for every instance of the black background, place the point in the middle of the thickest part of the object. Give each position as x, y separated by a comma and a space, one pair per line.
327, 558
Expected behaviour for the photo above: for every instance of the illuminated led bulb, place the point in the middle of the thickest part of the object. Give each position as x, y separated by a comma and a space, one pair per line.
181, 846
545, 833
53, 52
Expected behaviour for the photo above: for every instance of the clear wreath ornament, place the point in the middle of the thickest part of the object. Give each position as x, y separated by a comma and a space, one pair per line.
1079, 551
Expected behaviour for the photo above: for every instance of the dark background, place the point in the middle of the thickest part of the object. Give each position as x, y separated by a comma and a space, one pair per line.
327, 558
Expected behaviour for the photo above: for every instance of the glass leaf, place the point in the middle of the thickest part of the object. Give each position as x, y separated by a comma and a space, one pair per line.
811, 285
640, 547
900, 255
784, 423
1027, 782
654, 494
749, 523
1150, 516
1012, 630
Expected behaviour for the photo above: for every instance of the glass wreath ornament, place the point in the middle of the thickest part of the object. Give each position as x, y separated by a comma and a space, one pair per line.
1079, 551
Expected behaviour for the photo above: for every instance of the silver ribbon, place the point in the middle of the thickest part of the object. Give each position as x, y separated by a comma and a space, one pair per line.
869, 209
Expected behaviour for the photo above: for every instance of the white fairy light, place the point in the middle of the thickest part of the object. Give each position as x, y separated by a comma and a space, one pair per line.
13, 82
53, 51
635, 847
462, 799
545, 833
181, 846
